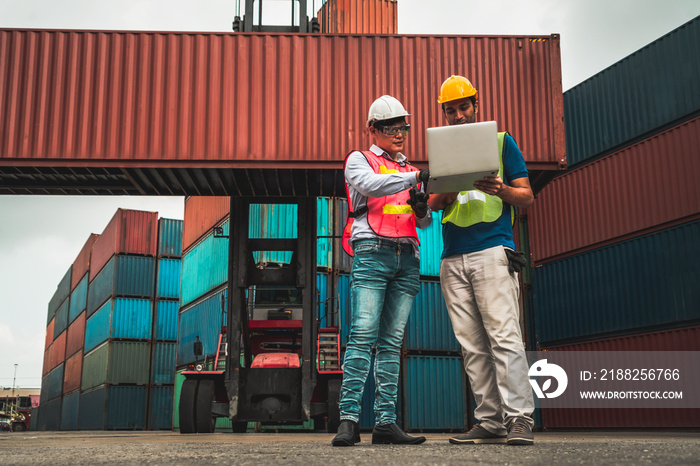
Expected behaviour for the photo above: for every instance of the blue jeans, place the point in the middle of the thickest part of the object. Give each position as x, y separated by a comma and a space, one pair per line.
383, 283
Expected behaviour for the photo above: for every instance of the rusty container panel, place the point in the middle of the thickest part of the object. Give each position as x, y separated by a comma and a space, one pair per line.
76, 335
49, 334
678, 339
640, 187
201, 214
129, 232
57, 351
96, 98
359, 17
72, 372
82, 262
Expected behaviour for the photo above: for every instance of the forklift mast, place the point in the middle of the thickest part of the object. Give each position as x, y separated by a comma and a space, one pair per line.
259, 393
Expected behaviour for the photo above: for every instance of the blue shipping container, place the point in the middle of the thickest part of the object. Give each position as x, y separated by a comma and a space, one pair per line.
204, 267
322, 304
169, 238
69, 411
342, 295
431, 246
612, 108
635, 285
78, 299
163, 364
160, 416
61, 322
203, 320
51, 415
123, 276
435, 393
55, 379
165, 326
119, 318
113, 407
62, 292
168, 278
429, 326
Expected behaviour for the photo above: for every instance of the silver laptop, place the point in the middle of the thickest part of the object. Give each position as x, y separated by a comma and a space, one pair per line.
460, 155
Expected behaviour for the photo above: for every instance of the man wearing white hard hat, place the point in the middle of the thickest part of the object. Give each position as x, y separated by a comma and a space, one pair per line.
384, 209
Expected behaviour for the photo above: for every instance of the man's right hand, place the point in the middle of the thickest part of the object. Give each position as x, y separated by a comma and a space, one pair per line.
423, 175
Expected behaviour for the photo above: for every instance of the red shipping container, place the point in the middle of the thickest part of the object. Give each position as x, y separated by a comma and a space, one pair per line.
57, 352
73, 371
201, 214
49, 334
45, 368
129, 232
82, 262
76, 335
358, 17
624, 194
680, 339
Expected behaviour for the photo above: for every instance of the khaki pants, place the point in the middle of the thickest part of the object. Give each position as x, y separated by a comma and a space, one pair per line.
482, 300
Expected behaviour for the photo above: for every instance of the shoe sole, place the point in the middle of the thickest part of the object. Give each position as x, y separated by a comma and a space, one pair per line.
520, 441
481, 441
342, 443
386, 442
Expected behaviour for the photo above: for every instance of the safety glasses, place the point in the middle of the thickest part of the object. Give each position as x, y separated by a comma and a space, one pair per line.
394, 130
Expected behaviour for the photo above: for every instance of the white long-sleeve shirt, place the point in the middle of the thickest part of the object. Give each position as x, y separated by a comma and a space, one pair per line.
363, 182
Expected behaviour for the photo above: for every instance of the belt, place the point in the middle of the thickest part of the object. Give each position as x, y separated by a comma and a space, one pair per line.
385, 243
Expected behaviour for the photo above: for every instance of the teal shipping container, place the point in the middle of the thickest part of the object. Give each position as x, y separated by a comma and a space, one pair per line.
163, 364
168, 278
169, 238
44, 392
342, 302
55, 383
431, 246
50, 418
69, 411
117, 362
429, 326
324, 231
611, 109
272, 221
113, 408
62, 292
160, 408
78, 299
204, 266
642, 284
61, 319
119, 318
165, 325
322, 301
435, 394
122, 276
202, 321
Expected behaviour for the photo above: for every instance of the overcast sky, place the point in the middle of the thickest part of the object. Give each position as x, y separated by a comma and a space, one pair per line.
40, 236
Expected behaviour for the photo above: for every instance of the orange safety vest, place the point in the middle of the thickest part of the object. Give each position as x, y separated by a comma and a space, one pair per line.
388, 216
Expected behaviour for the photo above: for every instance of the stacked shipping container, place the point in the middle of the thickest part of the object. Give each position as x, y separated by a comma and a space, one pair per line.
614, 240
119, 346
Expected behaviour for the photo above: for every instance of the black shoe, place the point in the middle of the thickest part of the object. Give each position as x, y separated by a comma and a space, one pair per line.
392, 434
477, 435
348, 434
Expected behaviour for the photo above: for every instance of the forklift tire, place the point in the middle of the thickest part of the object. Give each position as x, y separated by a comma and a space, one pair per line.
333, 407
240, 427
206, 395
188, 397
19, 427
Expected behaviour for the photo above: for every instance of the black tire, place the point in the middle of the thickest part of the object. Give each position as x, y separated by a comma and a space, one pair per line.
188, 398
19, 427
240, 427
206, 395
333, 405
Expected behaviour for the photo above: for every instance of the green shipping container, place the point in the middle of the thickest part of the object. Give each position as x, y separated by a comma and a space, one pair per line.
117, 362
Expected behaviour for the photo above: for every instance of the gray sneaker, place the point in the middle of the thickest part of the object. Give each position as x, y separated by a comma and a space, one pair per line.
520, 433
477, 435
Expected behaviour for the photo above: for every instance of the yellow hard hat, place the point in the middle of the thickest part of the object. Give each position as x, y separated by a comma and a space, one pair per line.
456, 87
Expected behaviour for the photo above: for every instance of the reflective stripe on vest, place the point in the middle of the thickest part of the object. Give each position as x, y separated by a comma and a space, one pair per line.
388, 216
474, 206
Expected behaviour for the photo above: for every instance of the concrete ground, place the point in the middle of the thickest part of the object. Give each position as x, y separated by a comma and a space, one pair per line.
171, 448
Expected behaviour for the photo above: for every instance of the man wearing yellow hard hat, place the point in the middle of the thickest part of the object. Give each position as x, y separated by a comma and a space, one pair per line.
478, 276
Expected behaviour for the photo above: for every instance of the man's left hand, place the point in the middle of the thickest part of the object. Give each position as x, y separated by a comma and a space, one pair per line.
418, 200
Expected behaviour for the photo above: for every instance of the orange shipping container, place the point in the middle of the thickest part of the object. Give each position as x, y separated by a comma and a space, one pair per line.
49, 334
129, 232
201, 214
72, 372
82, 262
76, 335
57, 351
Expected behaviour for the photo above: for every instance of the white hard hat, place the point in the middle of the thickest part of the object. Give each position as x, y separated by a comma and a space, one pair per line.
385, 108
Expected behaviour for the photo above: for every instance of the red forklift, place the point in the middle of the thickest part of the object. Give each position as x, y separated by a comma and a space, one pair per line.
274, 364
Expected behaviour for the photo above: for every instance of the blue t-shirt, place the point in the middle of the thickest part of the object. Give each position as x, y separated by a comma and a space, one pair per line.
461, 240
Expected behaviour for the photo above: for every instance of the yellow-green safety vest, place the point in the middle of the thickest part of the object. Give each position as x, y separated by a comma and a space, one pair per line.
474, 206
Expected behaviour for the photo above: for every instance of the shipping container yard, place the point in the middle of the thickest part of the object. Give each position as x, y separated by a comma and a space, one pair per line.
161, 324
